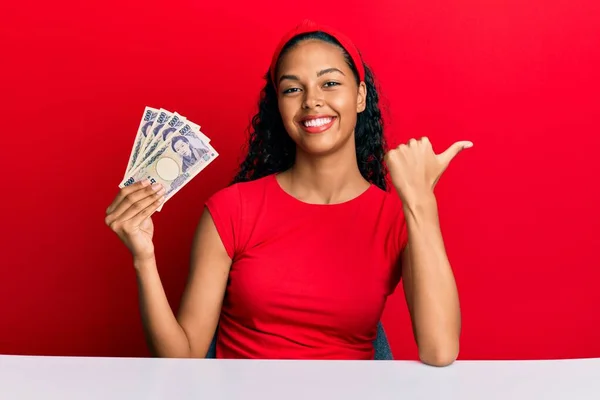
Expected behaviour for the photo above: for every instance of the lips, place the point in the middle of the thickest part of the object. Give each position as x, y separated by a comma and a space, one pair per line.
317, 123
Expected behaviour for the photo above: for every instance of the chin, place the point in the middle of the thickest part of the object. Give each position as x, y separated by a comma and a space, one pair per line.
320, 146
319, 151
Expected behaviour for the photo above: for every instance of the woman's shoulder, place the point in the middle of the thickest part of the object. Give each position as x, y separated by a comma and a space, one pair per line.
388, 199
392, 220
234, 210
235, 192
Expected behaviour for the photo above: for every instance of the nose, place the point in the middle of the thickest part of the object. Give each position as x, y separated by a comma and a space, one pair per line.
313, 98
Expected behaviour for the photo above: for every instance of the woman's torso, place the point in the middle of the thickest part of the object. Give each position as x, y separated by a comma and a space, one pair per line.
308, 281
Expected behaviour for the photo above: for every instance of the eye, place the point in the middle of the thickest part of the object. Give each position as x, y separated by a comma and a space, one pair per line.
290, 90
331, 84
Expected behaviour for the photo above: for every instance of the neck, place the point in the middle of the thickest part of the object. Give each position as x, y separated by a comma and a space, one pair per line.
328, 179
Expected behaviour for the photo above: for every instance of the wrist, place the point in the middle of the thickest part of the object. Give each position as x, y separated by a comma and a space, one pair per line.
420, 206
413, 199
143, 263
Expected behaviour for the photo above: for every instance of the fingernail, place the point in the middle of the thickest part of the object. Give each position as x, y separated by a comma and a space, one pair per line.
156, 186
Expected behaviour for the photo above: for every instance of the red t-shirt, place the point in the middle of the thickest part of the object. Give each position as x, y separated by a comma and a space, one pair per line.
307, 281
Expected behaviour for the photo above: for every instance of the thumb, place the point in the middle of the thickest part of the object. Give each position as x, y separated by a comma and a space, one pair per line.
452, 151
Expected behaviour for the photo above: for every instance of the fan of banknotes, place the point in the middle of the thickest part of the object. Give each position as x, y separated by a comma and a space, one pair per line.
168, 149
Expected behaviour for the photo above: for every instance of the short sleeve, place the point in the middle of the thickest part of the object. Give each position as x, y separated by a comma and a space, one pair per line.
401, 234
225, 209
399, 240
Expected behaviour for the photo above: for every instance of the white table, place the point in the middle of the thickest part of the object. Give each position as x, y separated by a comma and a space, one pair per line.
80, 378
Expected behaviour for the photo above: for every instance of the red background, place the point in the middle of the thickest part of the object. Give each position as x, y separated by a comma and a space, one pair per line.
520, 211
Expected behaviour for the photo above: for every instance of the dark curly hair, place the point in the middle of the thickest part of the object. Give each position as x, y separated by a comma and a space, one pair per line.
271, 150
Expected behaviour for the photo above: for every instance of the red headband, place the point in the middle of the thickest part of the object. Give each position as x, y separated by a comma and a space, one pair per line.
309, 26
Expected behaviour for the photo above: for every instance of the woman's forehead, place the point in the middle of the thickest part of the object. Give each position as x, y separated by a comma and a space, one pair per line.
312, 54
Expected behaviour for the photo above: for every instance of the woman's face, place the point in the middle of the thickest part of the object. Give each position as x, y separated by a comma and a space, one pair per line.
318, 97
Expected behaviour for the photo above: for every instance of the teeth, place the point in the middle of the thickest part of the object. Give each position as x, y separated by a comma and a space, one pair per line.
317, 122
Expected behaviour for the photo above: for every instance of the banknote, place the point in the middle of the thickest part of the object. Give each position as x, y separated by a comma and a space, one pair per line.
169, 128
161, 119
196, 166
148, 118
175, 162
168, 123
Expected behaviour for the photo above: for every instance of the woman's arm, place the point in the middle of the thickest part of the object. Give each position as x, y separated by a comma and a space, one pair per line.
429, 286
190, 334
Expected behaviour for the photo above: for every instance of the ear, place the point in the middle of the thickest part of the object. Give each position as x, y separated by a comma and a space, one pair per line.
361, 100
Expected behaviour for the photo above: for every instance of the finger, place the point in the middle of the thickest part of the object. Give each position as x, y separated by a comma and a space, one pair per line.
452, 151
147, 211
391, 152
137, 207
131, 200
125, 192
412, 142
425, 144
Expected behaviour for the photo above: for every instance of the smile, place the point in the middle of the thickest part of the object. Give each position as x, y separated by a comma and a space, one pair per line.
317, 122
317, 125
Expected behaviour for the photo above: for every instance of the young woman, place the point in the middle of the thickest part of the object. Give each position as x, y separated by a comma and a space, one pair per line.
296, 258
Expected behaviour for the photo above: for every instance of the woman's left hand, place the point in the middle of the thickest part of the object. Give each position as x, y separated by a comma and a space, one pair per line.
415, 168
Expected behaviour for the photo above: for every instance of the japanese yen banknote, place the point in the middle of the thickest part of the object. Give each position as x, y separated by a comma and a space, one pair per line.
168, 149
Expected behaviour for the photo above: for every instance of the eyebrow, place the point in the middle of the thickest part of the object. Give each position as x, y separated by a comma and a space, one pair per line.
320, 73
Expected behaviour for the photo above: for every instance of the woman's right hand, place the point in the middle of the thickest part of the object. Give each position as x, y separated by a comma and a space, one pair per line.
129, 216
